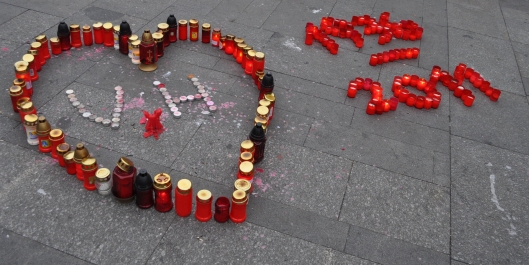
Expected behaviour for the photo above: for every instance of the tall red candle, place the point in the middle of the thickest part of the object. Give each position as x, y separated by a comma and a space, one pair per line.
239, 201
89, 167
183, 198
203, 211
163, 199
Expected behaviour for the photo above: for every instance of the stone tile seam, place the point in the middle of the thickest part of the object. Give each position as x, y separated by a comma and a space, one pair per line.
186, 145
495, 146
235, 21
65, 253
18, 14
452, 259
27, 9
343, 198
160, 241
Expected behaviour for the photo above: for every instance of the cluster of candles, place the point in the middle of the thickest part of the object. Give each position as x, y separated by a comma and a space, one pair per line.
332, 27
431, 100
376, 104
405, 29
474, 77
394, 54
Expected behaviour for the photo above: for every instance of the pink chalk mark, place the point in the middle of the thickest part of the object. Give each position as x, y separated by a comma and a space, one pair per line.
258, 169
227, 105
4, 49
134, 103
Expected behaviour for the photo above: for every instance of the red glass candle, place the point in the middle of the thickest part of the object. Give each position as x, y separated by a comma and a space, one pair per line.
469, 72
123, 180
406, 78
108, 35
458, 92
159, 43
415, 52
63, 33
124, 34
61, 150
240, 52
258, 62
163, 28
495, 94
393, 103
370, 108
55, 46
421, 84
334, 48
71, 167
203, 211
428, 102
412, 98
147, 49
45, 48
43, 132
230, 45
373, 60
382, 39
484, 86
489, 91
453, 84
414, 80
89, 167
193, 30
15, 92
359, 43
468, 100
248, 69
419, 102
80, 153
32, 66
98, 32
367, 84
435, 103
351, 92
39, 60
478, 82
309, 38
392, 55
215, 37
173, 25
87, 36
75, 36
26, 108
163, 199
239, 201
206, 33
182, 29
404, 94
183, 198
56, 138
143, 186
222, 209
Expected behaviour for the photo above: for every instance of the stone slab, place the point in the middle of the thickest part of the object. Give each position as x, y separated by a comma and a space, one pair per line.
31, 23
188, 241
257, 12
7, 12
521, 52
17, 249
516, 22
503, 123
486, 55
484, 18
311, 88
56, 8
434, 12
434, 47
379, 248
345, 9
374, 150
489, 213
133, 7
229, 10
398, 207
298, 223
7, 124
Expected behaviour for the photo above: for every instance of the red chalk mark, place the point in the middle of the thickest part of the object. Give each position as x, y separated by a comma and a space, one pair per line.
260, 170
4, 49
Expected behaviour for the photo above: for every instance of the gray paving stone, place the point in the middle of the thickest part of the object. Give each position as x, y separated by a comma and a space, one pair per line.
298, 223
214, 242
55, 8
317, 64
31, 23
7, 124
345, 9
8, 46
515, 4
17, 249
37, 204
434, 47
441, 167
401, 130
488, 210
374, 150
455, 262
371, 46
311, 88
399, 10
483, 18
133, 7
199, 6
379, 248
503, 123
521, 52
229, 10
434, 12
481, 52
398, 207
526, 84
305, 105
257, 12
8, 12
516, 22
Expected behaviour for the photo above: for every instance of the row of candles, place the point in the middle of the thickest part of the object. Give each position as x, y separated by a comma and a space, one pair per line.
394, 54
124, 184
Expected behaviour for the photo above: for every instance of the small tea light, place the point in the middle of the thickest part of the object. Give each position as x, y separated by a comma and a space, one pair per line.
118, 105
69, 91
212, 109
80, 106
190, 98
198, 97
119, 97
196, 84
73, 99
120, 92
210, 103
194, 79
115, 120
114, 126
172, 105
98, 120
204, 95
106, 122
92, 118
174, 109
118, 110
120, 101
168, 101
177, 114
118, 88
87, 114
156, 83
116, 115
183, 99
165, 93
163, 89
205, 112
176, 100
168, 97
71, 96
81, 111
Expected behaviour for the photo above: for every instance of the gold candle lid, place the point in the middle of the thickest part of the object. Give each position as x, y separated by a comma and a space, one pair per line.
230, 37
102, 174
264, 102
270, 97
74, 27
238, 40
193, 22
69, 157
54, 40
246, 168
239, 196
260, 120
247, 49
259, 55
116, 29
36, 45
30, 119
262, 111
246, 156
162, 181
247, 145
21, 66
158, 37
41, 38
28, 58
241, 46
56, 134
63, 148
80, 153
33, 52
125, 164
89, 163
97, 25
22, 101
204, 196
242, 184
146, 38
43, 126
163, 26
15, 91
133, 38
184, 186
251, 54
107, 25
216, 30
86, 28
25, 106
206, 26
182, 22
135, 44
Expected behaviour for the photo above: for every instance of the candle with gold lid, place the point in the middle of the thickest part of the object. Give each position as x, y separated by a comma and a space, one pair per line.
115, 36
75, 35
61, 150
262, 121
56, 138
163, 200
206, 33
182, 29
245, 51
89, 167
88, 39
203, 211
36, 46
262, 112
183, 198
32, 66
229, 44
239, 200
25, 108
245, 156
103, 182
108, 35
244, 185
30, 124
239, 51
159, 40
71, 166
164, 27
80, 153
147, 52
123, 180
236, 42
270, 97
98, 33
246, 171
15, 92
193, 30
248, 68
258, 63
132, 38
55, 46
45, 48
247, 146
